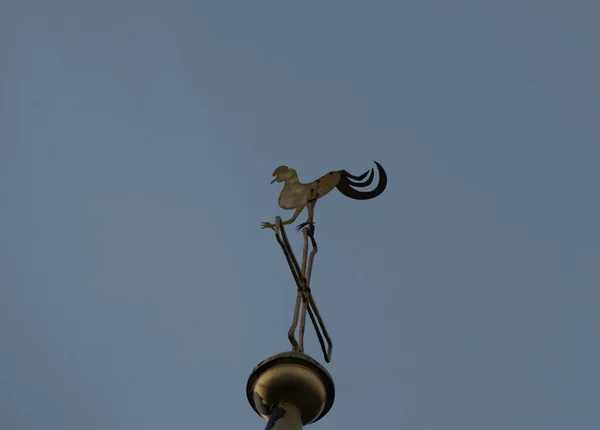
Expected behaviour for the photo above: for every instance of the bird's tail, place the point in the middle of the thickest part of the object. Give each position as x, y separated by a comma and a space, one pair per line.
348, 183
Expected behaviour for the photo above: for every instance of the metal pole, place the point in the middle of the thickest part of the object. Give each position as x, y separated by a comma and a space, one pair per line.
285, 416
304, 296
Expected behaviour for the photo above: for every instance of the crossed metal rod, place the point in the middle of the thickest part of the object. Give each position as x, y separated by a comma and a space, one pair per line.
304, 295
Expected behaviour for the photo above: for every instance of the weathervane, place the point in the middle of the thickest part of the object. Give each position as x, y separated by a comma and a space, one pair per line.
291, 389
296, 195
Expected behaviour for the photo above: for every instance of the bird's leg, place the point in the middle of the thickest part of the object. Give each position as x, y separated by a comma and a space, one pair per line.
293, 218
309, 222
289, 221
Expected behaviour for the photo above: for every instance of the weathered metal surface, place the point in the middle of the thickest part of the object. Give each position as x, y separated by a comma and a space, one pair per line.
298, 196
291, 377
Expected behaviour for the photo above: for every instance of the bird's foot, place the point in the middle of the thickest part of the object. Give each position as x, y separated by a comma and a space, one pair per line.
268, 225
310, 226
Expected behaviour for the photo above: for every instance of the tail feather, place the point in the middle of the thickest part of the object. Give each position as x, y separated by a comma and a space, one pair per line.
347, 182
357, 178
368, 182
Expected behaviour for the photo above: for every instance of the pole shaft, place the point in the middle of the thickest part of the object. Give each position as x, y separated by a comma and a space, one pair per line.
285, 416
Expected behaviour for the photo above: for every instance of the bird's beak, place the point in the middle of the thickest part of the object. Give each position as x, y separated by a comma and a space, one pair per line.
273, 180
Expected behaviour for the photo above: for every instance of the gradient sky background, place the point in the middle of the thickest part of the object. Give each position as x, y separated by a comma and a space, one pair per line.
137, 143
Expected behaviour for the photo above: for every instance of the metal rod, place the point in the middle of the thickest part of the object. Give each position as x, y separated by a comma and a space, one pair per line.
302, 323
284, 416
304, 294
289, 254
327, 354
304, 253
287, 251
287, 244
326, 351
329, 351
292, 330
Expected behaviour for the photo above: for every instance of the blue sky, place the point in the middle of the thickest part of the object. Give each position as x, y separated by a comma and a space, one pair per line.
137, 142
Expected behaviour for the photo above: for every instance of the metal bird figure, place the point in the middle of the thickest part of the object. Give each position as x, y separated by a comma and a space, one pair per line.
296, 195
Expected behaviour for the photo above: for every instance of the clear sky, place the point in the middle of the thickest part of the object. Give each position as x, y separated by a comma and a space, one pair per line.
137, 143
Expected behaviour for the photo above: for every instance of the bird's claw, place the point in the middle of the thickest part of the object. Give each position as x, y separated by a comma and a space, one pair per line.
267, 225
310, 226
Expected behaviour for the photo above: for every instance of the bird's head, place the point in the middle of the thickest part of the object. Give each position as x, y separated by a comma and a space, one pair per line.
284, 173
